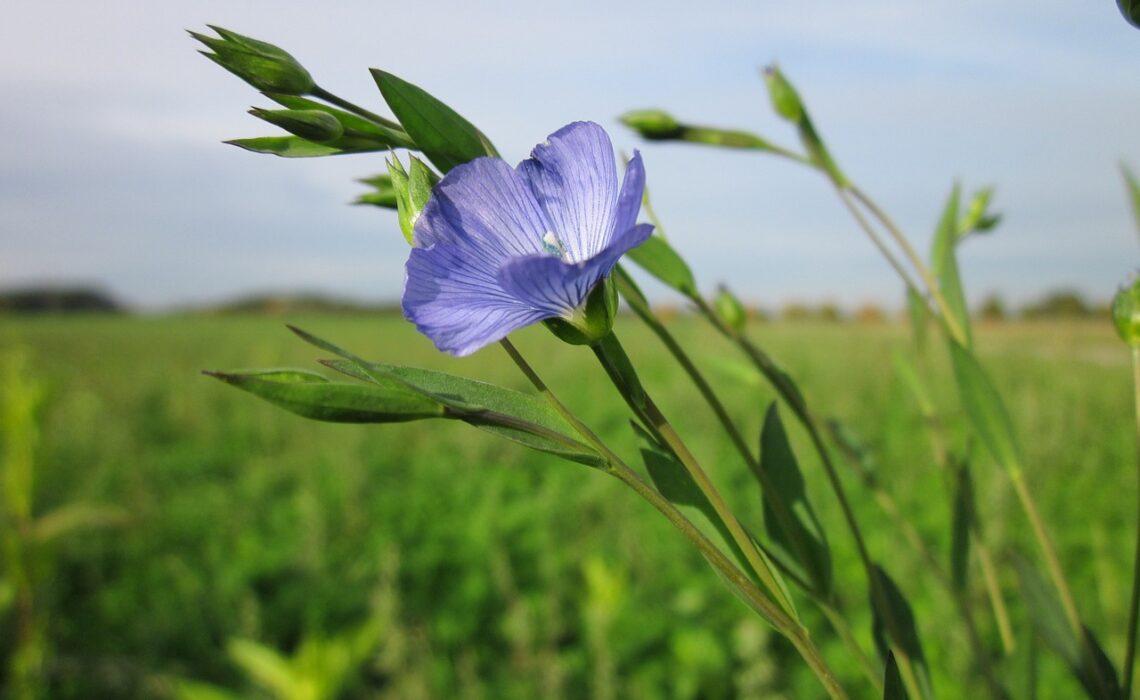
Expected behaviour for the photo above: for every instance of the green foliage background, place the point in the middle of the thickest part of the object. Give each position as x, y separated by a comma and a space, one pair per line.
488, 571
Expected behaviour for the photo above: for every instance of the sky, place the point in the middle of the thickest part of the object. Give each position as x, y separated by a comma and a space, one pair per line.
112, 170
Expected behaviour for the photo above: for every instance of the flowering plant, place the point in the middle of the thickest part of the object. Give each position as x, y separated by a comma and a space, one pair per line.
496, 248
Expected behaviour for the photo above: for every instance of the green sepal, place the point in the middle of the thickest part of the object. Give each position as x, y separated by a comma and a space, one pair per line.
310, 124
297, 147
262, 65
794, 529
412, 189
593, 321
445, 137
313, 396
659, 259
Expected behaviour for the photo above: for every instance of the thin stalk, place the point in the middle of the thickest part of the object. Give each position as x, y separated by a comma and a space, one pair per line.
993, 590
1052, 563
1134, 605
322, 94
875, 239
768, 491
741, 583
774, 375
915, 260
609, 352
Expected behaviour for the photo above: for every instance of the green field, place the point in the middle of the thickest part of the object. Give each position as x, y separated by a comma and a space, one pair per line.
436, 561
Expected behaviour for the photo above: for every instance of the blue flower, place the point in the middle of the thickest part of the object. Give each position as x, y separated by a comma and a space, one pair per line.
498, 248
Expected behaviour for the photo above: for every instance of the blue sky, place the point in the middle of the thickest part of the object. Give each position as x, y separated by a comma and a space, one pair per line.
111, 170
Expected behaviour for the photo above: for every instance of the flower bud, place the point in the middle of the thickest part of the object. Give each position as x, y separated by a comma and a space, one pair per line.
593, 320
729, 308
264, 66
1126, 313
653, 124
309, 124
785, 99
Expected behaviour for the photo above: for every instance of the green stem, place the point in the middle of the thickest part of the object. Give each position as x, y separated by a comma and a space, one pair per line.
739, 582
322, 94
1134, 605
616, 363
777, 379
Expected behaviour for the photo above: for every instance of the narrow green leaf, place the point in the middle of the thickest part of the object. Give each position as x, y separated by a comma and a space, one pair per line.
893, 688
446, 138
677, 485
658, 258
907, 372
1085, 658
1130, 180
75, 517
919, 314
792, 525
961, 525
313, 396
296, 147
897, 623
535, 423
944, 263
268, 668
985, 408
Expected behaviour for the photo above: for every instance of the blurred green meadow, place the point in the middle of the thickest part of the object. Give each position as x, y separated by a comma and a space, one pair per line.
255, 553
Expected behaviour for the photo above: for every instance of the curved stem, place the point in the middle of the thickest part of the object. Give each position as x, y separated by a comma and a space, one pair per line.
1134, 605
739, 582
616, 363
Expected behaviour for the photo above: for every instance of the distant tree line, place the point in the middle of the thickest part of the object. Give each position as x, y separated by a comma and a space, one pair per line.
58, 300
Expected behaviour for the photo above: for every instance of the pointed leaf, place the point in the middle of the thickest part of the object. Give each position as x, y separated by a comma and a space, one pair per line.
658, 258
897, 623
446, 138
313, 396
472, 401
893, 688
297, 147
788, 516
1085, 658
269, 669
985, 408
961, 525
944, 263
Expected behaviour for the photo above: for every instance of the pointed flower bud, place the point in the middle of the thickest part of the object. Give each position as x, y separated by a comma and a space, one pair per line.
264, 66
310, 124
785, 99
653, 124
1126, 312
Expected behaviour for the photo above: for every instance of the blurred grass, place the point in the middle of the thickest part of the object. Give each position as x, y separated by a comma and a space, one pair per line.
493, 572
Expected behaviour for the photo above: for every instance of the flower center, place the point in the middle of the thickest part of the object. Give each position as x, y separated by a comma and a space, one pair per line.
552, 245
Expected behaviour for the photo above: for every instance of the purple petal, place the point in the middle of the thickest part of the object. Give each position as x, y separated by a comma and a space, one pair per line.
632, 191
555, 287
485, 205
574, 179
457, 303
